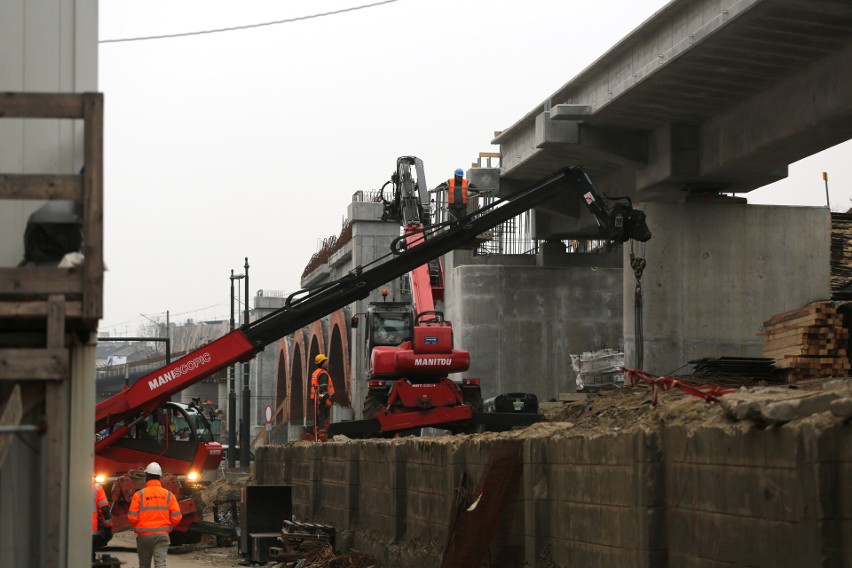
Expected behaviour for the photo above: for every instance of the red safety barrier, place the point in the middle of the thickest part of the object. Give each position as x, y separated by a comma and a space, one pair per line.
710, 393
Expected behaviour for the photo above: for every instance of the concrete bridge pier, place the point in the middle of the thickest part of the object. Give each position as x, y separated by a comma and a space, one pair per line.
716, 270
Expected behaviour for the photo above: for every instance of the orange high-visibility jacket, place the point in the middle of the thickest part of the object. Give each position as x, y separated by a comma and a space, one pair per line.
325, 387
457, 195
100, 502
154, 510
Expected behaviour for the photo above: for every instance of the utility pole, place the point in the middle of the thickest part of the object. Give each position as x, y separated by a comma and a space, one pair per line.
232, 393
246, 429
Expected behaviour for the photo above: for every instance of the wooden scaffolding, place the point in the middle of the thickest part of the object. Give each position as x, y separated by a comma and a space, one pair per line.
46, 310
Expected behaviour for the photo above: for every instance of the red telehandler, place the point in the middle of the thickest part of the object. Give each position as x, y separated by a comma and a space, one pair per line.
410, 347
140, 425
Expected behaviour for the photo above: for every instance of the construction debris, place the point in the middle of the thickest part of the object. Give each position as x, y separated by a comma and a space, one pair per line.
735, 370
317, 554
598, 369
221, 491
776, 405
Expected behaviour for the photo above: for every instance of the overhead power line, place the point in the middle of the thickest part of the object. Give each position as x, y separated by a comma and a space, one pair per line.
250, 26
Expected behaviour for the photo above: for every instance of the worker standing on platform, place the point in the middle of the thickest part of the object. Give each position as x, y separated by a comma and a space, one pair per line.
458, 192
154, 512
322, 391
101, 519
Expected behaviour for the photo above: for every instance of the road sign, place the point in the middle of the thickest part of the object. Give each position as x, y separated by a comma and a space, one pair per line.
269, 414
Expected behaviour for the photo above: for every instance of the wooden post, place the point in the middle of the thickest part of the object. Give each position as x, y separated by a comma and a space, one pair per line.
55, 408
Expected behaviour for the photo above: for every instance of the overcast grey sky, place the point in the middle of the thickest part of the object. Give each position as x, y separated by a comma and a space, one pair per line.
251, 142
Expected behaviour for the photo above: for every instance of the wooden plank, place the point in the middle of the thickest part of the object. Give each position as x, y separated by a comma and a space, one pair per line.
791, 341
784, 316
801, 351
801, 321
41, 105
56, 400
33, 364
36, 309
55, 322
23, 186
93, 208
10, 415
820, 307
35, 281
801, 332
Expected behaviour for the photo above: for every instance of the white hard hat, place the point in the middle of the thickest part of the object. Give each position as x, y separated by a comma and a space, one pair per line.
154, 469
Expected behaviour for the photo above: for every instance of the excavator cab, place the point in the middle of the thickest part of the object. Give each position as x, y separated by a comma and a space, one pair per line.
389, 324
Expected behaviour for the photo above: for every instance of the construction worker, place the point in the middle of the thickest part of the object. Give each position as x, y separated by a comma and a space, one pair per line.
457, 193
154, 512
322, 390
101, 519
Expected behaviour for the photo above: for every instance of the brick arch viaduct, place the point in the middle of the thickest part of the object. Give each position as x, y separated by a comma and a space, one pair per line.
296, 354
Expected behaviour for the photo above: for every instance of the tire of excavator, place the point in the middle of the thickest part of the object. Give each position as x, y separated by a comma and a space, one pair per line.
373, 403
473, 397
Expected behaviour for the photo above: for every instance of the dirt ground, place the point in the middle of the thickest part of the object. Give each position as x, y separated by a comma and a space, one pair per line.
189, 556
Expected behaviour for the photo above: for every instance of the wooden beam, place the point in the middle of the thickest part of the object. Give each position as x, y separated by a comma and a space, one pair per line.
21, 186
33, 364
30, 281
10, 415
93, 208
73, 310
41, 105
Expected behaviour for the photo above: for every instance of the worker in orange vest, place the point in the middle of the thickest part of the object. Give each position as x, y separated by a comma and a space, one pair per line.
154, 512
458, 192
101, 519
322, 390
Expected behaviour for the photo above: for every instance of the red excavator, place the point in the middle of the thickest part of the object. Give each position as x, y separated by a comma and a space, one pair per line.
140, 425
410, 347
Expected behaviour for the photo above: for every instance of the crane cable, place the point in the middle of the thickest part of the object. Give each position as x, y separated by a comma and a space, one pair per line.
638, 265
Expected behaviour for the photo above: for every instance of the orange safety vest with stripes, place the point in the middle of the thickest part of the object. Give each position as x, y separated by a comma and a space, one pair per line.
453, 192
100, 501
325, 388
154, 510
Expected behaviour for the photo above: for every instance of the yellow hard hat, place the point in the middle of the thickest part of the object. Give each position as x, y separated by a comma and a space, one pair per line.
320, 358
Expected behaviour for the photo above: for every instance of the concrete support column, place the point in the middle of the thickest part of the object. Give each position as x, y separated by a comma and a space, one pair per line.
716, 271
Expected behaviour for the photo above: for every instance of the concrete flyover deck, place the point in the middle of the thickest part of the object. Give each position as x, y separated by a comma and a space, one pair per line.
706, 95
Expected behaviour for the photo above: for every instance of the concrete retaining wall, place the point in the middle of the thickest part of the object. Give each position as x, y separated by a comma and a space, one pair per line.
732, 495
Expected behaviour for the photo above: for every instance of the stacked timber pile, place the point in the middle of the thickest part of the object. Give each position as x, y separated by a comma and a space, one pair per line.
808, 343
841, 256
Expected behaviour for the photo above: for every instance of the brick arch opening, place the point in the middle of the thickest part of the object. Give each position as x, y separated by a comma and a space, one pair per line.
297, 383
340, 365
282, 410
316, 332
